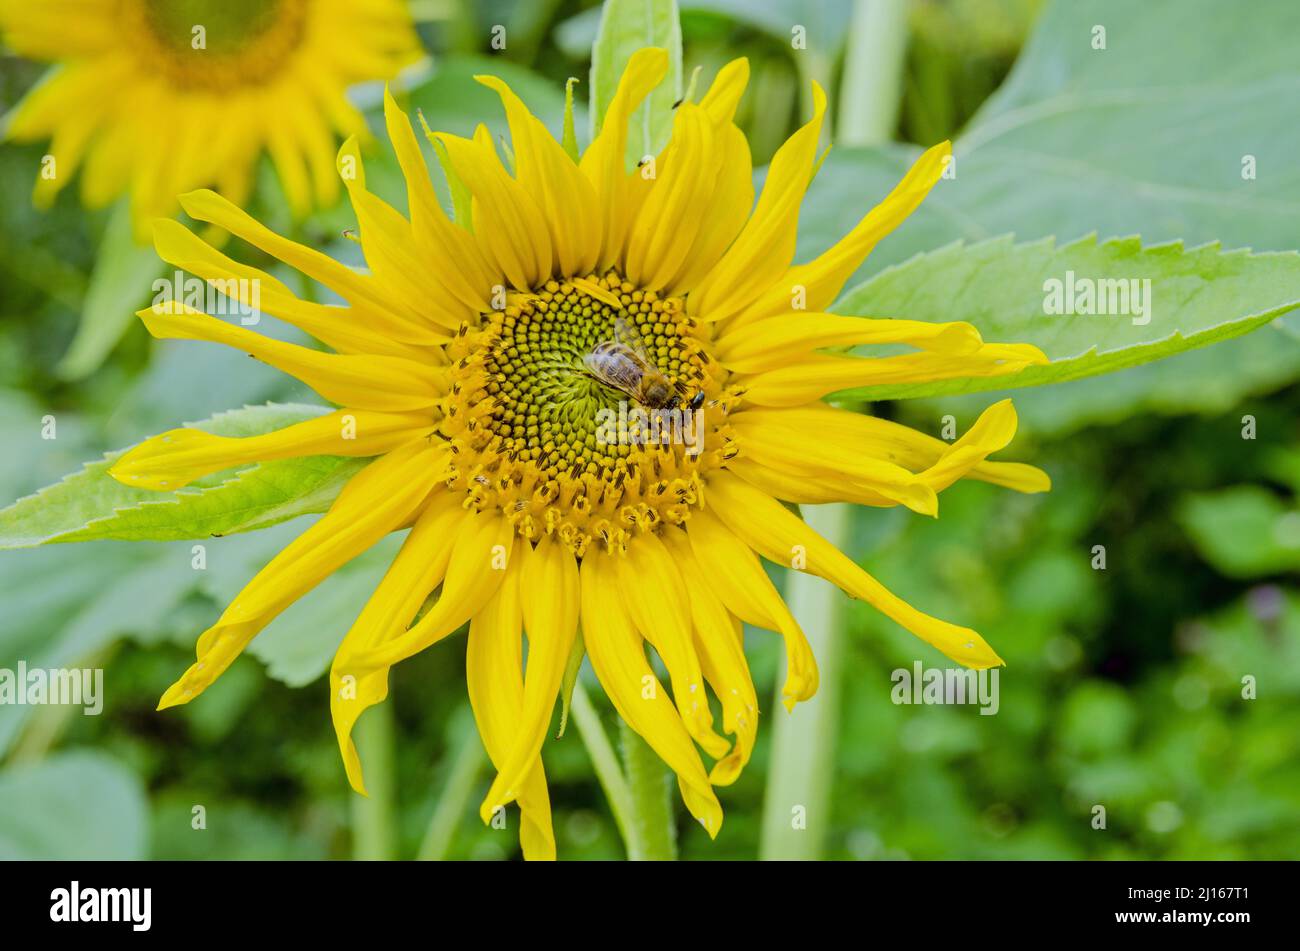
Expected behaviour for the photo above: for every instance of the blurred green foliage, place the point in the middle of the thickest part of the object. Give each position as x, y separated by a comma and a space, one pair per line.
1124, 686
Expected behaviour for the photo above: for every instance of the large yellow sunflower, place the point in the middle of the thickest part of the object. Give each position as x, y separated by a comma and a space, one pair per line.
462, 364
156, 97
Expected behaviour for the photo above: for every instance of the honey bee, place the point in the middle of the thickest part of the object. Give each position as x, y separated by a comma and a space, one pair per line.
622, 364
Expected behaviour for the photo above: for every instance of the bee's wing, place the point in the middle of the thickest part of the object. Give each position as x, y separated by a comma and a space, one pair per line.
619, 372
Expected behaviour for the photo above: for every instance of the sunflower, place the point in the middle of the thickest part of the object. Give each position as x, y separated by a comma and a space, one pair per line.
156, 97
463, 363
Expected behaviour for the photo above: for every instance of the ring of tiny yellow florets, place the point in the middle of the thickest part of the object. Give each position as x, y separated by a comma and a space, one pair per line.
522, 416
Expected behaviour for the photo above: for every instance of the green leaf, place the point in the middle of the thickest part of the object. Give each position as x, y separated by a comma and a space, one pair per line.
75, 806
1177, 300
625, 27
1245, 531
91, 504
1145, 137
119, 285
823, 21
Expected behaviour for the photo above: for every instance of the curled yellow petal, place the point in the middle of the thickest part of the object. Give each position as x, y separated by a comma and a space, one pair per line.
366, 381
451, 252
603, 162
565, 196
820, 280
549, 589
778, 341
508, 222
719, 640
656, 599
816, 376
380, 499
617, 655
494, 674
465, 547
176, 458
766, 245
736, 576
780, 536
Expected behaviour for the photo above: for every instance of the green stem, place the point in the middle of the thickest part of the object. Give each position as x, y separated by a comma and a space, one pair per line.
605, 761
374, 834
655, 834
467, 764
796, 810
872, 84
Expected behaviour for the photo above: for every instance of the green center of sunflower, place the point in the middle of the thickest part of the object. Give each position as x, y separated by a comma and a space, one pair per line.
587, 448
222, 44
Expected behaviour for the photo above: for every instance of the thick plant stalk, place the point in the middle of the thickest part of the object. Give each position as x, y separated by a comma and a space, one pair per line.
374, 833
796, 810
871, 89
655, 836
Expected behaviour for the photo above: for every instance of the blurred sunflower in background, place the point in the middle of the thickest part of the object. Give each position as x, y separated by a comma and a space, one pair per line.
462, 362
157, 97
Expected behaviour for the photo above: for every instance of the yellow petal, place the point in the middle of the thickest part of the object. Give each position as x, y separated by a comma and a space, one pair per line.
768, 442
778, 341
176, 458
994, 430
549, 590
451, 253
670, 217
57, 28
494, 674
869, 436
507, 221
419, 566
388, 243
728, 209
290, 164
796, 488
359, 675
766, 245
818, 375
724, 95
380, 499
566, 197
617, 656
399, 318
719, 640
654, 593
766, 526
821, 279
392, 384
1013, 475
337, 327
737, 577
603, 162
